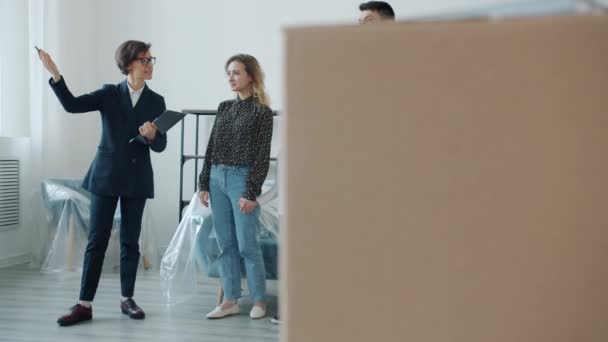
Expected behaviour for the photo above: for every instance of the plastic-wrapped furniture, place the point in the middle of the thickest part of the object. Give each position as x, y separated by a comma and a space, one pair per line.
193, 251
67, 206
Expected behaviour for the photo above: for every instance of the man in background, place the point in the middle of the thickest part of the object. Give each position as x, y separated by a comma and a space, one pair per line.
375, 12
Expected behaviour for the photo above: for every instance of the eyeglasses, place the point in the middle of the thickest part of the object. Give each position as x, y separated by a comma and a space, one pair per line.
146, 60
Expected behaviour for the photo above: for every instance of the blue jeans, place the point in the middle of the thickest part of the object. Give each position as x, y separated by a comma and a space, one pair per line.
236, 233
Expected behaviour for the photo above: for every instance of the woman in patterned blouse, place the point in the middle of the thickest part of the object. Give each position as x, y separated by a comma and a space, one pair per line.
236, 164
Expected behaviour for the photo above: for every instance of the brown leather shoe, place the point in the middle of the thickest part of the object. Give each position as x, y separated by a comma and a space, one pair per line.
77, 314
128, 307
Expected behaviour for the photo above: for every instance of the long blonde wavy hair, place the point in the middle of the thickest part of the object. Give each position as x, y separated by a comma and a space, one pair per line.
254, 70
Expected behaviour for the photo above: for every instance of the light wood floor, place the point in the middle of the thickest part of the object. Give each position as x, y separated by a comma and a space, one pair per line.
30, 303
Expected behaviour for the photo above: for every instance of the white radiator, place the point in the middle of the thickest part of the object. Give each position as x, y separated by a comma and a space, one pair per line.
9, 194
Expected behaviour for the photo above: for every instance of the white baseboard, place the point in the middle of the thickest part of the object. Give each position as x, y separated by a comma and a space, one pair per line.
15, 260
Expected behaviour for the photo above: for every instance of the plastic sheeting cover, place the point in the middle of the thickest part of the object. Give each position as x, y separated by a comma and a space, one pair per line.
193, 250
67, 212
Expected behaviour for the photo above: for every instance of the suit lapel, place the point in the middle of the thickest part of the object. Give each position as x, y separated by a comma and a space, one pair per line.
125, 101
142, 98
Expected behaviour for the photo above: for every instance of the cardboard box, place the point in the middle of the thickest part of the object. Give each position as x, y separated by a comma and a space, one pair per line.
447, 182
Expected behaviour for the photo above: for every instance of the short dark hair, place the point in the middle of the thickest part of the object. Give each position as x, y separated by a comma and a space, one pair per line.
383, 8
127, 52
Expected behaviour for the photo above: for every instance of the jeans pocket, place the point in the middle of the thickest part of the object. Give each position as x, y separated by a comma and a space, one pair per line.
242, 171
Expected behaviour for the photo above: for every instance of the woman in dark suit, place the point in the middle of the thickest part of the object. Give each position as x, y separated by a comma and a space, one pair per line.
120, 170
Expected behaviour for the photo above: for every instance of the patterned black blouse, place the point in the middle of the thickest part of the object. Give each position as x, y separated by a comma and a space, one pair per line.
241, 135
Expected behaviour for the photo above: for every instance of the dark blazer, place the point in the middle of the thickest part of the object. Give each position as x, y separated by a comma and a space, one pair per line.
119, 168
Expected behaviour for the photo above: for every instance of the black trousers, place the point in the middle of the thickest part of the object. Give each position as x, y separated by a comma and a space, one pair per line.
102, 216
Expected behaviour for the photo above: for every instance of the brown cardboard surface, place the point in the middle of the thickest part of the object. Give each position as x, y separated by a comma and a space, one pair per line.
447, 182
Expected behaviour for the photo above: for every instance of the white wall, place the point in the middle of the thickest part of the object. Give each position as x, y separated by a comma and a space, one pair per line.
191, 39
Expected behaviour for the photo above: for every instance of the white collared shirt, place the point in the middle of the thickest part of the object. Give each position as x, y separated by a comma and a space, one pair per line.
135, 94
